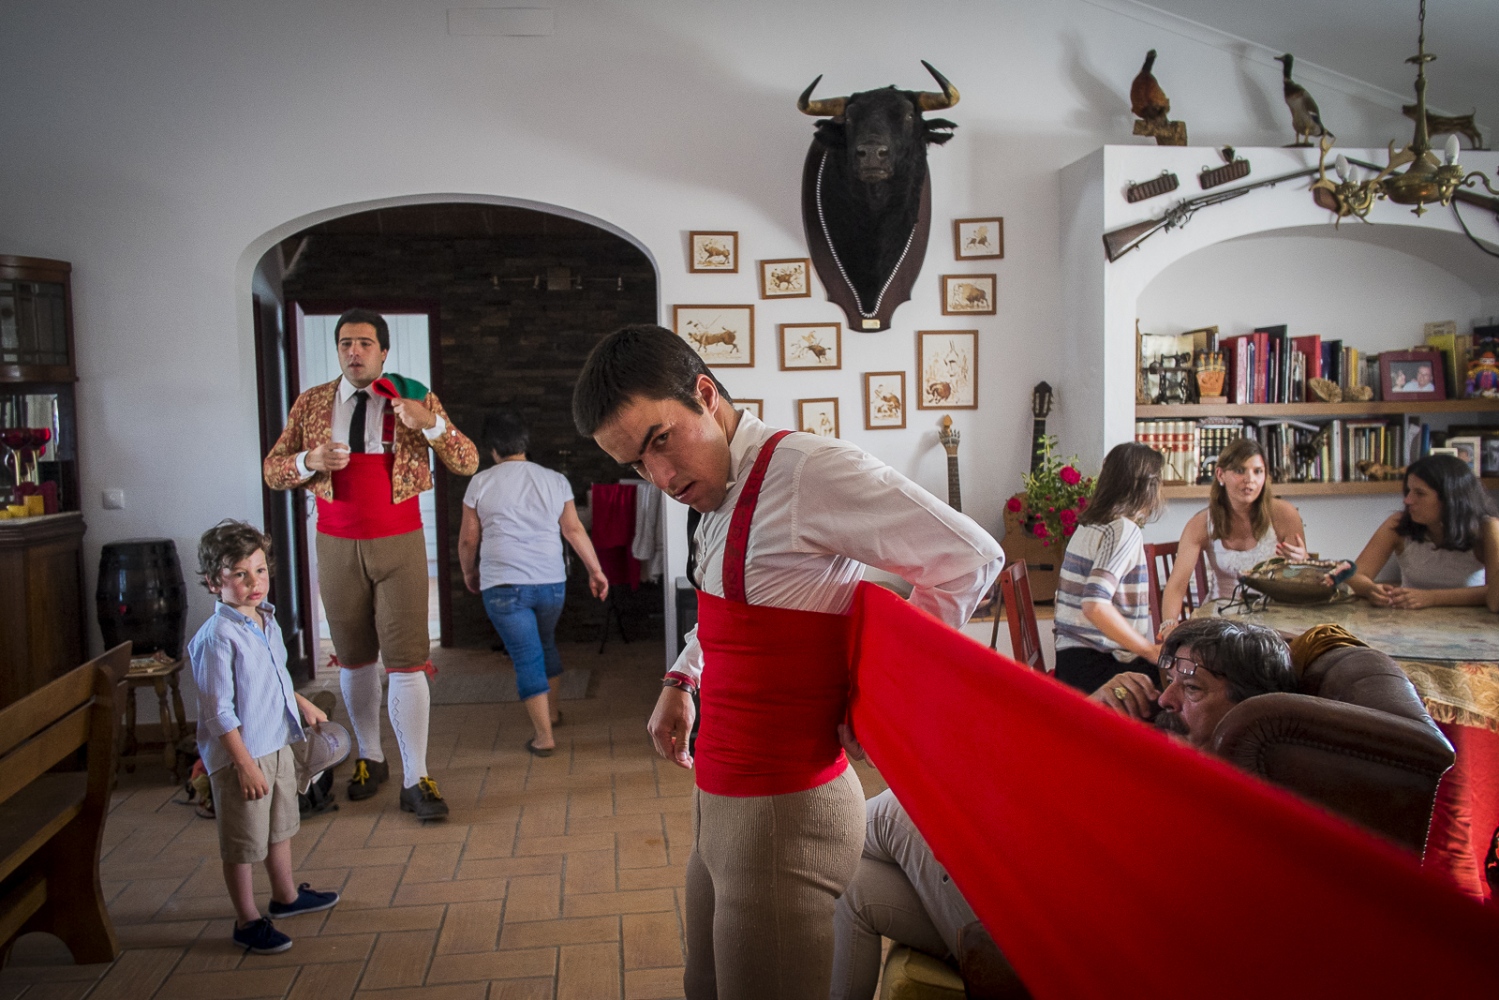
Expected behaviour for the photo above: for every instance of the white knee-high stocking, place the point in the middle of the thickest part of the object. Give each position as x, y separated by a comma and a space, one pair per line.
361, 690
409, 702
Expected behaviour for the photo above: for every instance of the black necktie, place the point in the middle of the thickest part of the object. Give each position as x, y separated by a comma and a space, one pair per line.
356, 423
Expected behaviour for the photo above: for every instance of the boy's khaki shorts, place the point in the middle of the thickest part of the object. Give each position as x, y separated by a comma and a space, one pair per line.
248, 828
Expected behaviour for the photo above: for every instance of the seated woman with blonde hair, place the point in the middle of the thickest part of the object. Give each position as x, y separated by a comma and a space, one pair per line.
1445, 541
1243, 524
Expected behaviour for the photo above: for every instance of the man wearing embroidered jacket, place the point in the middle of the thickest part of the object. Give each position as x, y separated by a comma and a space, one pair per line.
366, 461
789, 522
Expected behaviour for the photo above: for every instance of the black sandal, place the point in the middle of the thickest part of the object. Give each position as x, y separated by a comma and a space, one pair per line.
536, 750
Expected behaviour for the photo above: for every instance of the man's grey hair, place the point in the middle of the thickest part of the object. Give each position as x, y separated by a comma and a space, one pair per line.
1251, 658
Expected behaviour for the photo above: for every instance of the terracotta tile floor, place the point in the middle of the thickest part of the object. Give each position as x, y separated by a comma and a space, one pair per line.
553, 878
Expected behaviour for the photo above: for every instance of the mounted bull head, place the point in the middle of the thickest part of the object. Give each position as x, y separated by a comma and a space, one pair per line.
866, 195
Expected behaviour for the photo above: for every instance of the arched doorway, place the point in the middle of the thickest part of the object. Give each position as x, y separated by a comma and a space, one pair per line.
513, 298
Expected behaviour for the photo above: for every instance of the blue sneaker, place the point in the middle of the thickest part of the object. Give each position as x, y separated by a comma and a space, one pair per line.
307, 901
261, 937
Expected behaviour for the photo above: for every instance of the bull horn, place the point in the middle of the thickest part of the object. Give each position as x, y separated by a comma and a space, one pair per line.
929, 101
829, 107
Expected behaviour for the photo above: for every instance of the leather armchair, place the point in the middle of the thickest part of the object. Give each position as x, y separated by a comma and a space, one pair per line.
1356, 741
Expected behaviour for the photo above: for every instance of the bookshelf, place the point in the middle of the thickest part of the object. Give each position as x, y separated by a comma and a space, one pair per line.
1192, 411
1345, 489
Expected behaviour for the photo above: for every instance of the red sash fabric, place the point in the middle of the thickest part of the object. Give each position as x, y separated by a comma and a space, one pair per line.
1108, 860
361, 506
775, 680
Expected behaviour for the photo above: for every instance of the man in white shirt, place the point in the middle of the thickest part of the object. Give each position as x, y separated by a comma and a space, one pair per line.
789, 523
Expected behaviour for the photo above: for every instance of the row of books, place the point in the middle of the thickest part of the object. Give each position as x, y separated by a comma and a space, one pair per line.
1266, 366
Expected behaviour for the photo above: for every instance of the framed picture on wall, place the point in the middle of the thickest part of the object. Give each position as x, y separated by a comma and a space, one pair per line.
811, 345
973, 239
723, 336
711, 253
884, 400
755, 406
968, 295
817, 416
785, 279
1411, 375
1469, 449
947, 369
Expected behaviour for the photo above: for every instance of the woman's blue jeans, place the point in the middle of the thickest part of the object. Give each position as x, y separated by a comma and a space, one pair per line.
526, 616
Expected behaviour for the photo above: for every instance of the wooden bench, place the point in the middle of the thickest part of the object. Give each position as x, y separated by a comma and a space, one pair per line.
52, 822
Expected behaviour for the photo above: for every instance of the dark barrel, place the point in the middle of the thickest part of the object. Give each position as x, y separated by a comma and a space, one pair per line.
141, 596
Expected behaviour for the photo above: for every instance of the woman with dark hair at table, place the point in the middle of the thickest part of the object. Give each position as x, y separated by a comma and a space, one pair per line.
1446, 542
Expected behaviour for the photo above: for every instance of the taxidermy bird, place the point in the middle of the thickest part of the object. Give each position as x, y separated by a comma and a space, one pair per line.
1146, 98
1305, 118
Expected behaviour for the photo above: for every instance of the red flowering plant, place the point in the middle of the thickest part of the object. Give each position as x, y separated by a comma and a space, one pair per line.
1055, 493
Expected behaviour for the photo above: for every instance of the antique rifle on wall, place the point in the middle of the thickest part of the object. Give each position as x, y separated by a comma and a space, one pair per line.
950, 439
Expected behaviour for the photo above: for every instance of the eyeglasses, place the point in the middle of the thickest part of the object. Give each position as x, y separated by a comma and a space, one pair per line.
1181, 666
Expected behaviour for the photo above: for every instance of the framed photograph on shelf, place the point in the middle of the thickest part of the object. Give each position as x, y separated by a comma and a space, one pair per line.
723, 336
1490, 464
711, 253
1411, 375
884, 400
976, 239
755, 406
968, 295
817, 416
785, 279
811, 345
947, 369
1469, 449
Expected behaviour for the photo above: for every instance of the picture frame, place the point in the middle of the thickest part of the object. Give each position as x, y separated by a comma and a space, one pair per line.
1490, 461
817, 416
1469, 449
789, 278
978, 239
884, 401
811, 346
947, 369
714, 252
722, 335
968, 294
1443, 451
1411, 375
755, 406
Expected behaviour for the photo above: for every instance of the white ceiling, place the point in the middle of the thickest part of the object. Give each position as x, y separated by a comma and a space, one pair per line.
1370, 40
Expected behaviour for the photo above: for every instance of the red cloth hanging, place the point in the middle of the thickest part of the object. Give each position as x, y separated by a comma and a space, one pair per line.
1109, 860
613, 532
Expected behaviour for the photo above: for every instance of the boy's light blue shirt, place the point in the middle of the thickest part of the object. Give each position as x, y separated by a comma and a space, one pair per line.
240, 672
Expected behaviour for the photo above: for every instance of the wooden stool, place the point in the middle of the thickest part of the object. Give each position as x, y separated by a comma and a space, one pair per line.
157, 674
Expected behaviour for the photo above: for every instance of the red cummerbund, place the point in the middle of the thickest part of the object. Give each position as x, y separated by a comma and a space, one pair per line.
775, 686
361, 506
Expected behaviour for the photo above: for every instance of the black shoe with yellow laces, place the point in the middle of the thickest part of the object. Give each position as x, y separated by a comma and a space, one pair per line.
424, 799
369, 775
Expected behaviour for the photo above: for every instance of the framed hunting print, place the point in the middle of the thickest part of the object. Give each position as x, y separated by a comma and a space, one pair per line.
723, 336
785, 279
968, 295
817, 416
713, 252
975, 239
811, 345
755, 406
947, 369
884, 400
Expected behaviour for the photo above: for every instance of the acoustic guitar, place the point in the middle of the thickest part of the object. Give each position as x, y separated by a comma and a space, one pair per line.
950, 438
1043, 563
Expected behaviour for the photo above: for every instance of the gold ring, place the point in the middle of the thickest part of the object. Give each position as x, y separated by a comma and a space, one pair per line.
1121, 692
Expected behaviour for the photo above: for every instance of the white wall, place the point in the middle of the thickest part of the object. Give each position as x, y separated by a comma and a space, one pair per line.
163, 147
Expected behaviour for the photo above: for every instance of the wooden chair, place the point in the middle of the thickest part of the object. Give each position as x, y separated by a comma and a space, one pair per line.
1020, 611
1159, 558
52, 822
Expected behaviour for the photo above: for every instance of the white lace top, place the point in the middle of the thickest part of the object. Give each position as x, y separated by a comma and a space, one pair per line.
1226, 564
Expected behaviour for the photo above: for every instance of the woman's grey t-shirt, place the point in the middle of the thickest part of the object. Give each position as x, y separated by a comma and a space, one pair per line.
519, 504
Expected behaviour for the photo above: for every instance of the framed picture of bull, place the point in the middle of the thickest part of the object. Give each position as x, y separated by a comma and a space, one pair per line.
785, 279
968, 295
817, 416
755, 406
884, 400
947, 369
976, 239
811, 346
713, 253
723, 336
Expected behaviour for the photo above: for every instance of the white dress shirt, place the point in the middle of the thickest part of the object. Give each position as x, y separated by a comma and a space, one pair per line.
827, 510
374, 422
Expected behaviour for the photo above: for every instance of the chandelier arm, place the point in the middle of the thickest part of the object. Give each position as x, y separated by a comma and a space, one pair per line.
1481, 179
1469, 234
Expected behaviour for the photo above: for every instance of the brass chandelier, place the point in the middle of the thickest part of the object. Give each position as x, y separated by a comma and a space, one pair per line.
1427, 181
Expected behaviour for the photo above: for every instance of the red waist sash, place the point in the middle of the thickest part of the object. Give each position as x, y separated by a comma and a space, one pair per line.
361, 506
775, 686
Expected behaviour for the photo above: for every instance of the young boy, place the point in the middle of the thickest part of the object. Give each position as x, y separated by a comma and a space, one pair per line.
248, 716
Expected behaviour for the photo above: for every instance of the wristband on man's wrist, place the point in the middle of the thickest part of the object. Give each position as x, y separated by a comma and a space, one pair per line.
679, 681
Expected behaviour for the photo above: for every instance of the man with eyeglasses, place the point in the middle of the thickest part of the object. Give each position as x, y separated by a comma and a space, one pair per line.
900, 891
